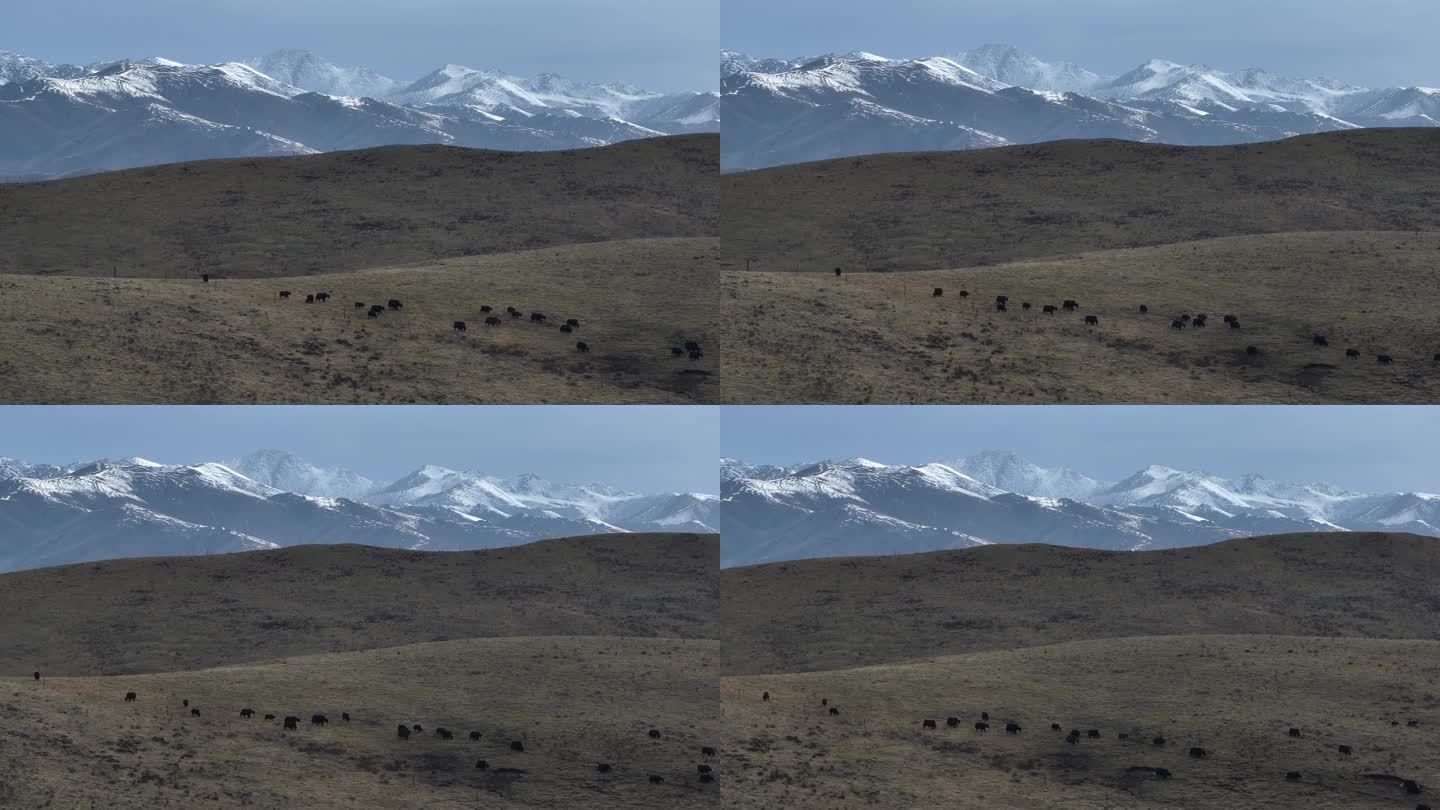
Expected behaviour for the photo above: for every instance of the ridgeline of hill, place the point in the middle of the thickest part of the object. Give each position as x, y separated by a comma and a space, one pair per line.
936, 210
165, 614
827, 614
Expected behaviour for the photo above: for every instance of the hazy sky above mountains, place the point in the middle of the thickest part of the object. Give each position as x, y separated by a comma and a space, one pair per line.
658, 44
1377, 43
637, 447
1366, 449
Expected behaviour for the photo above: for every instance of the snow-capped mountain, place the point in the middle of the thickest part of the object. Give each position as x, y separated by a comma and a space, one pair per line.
51, 515
55, 121
287, 472
1012, 66
792, 110
15, 67
305, 70
859, 506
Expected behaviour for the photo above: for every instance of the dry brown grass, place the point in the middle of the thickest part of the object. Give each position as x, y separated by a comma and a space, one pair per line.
1236, 696
845, 612
185, 613
881, 337
347, 211
958, 209
95, 340
574, 701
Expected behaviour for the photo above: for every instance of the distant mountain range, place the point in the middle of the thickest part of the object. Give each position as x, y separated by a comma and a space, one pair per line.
862, 507
51, 515
781, 111
60, 120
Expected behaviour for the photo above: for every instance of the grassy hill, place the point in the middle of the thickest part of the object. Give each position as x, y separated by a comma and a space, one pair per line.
167, 614
835, 613
960, 209
1235, 696
883, 337
347, 211
574, 701
100, 340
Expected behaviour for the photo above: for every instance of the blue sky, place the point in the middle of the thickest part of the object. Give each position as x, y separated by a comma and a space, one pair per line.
638, 447
1364, 448
662, 44
1373, 43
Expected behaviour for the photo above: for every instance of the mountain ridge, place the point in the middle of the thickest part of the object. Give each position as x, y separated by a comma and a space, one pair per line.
862, 507
996, 95
135, 507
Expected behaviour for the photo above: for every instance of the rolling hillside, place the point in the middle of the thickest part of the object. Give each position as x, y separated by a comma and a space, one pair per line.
883, 337
347, 211
166, 341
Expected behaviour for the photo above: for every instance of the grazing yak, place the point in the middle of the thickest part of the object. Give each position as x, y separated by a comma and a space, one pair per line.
1319, 340
964, 293
444, 734
1025, 306
492, 321
656, 779
837, 272
394, 304
1292, 776
1002, 299
927, 723
1158, 741
939, 291
567, 329
654, 733
1198, 752
582, 346
952, 722
486, 308
402, 731
1092, 320
359, 304
1347, 750
516, 745
345, 716
676, 351
707, 778
982, 726
1234, 324
1000, 306
1070, 305
1252, 350
318, 719
573, 323
707, 750
129, 697
310, 299
247, 713
1093, 733
1177, 324
1054, 726
1384, 359
322, 297
1144, 309
1073, 739
1163, 773
1012, 728
474, 735
1352, 353
292, 723
458, 326
482, 765
834, 711
269, 717
765, 696
1294, 732
1049, 309
537, 317
194, 712
374, 313
602, 767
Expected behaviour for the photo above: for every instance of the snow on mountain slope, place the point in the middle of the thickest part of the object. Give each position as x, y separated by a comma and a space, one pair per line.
15, 67
791, 110
304, 69
127, 507
285, 471
129, 113
860, 506
1008, 471
1005, 63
